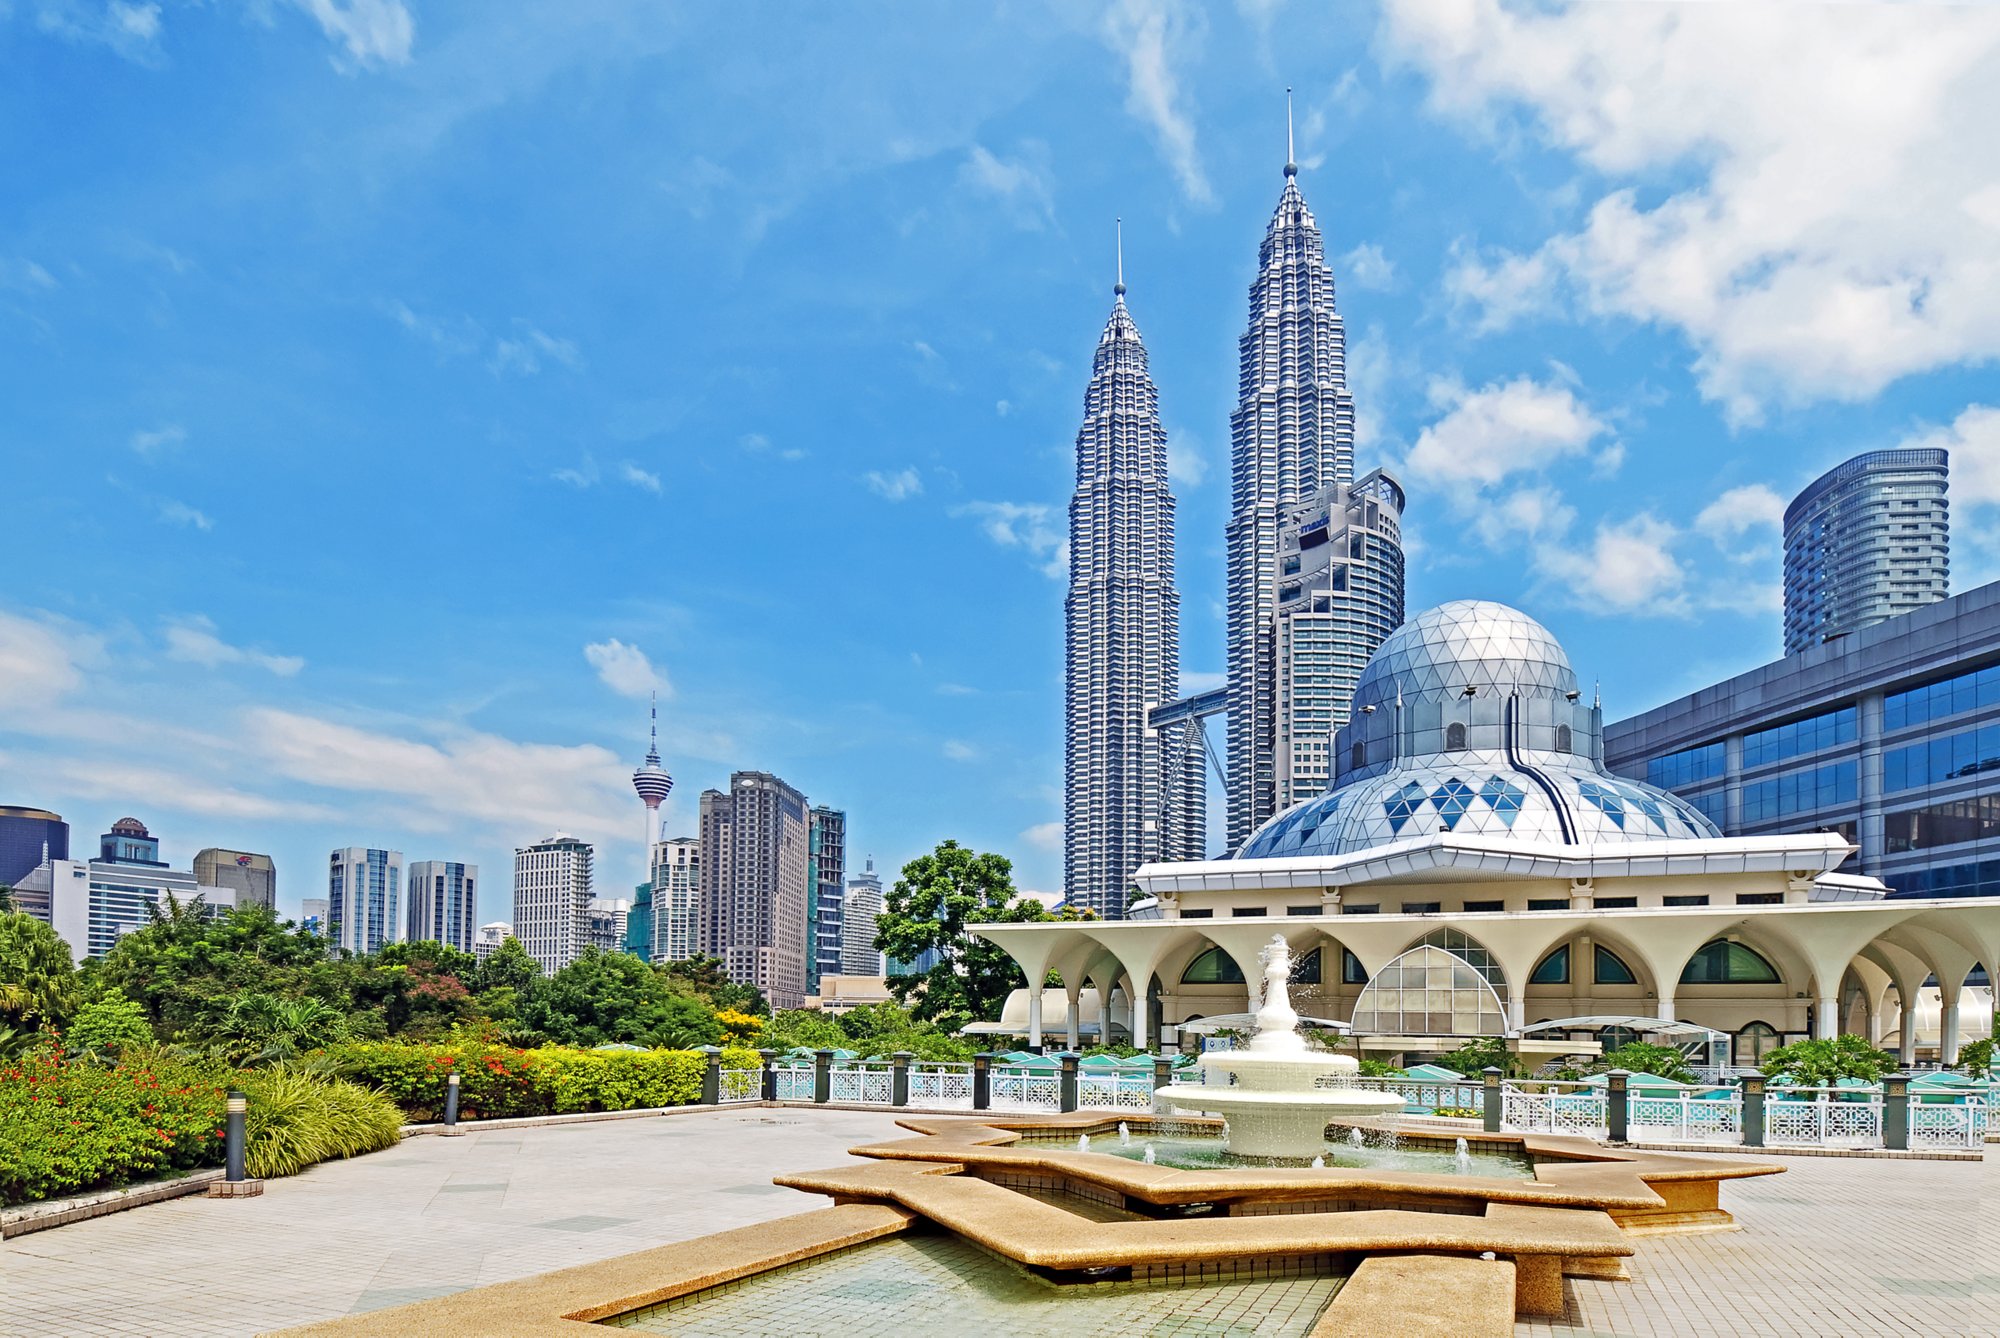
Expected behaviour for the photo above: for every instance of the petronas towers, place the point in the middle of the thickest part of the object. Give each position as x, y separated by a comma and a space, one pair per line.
1127, 799
1300, 623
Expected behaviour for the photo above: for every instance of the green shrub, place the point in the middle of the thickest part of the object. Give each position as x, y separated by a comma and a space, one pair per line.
498, 1082
110, 1026
1976, 1056
70, 1127
1661, 1061
579, 1080
297, 1119
1825, 1063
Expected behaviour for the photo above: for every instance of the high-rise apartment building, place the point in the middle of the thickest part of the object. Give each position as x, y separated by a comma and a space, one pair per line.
491, 936
753, 884
676, 899
826, 881
607, 921
1122, 636
93, 903
364, 898
253, 878
552, 880
29, 837
860, 906
1340, 594
1292, 433
1867, 541
444, 902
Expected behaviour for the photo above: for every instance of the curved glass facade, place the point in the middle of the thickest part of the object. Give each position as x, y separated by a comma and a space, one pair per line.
1867, 541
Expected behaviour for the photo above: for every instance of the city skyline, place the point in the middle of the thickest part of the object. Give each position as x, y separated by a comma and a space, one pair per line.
587, 368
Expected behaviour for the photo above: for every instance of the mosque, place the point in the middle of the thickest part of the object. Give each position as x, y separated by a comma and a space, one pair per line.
1474, 870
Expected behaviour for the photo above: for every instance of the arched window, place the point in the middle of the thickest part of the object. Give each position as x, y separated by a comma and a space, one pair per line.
1562, 738
1752, 1043
1352, 972
1469, 949
1429, 992
1553, 969
1722, 962
1305, 970
1358, 757
1454, 737
1214, 967
1616, 1038
1608, 968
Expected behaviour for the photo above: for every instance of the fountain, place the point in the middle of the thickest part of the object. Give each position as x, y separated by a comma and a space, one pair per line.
1151, 1158
1354, 1139
1319, 1163
1276, 1108
1083, 1142
1462, 1158
1124, 1133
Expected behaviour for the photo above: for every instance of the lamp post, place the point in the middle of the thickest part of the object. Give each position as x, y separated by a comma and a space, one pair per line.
234, 1185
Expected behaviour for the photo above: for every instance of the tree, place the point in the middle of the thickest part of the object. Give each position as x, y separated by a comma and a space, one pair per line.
187, 969
510, 967
1976, 1057
705, 977
1662, 1061
37, 979
606, 997
1825, 1063
938, 895
263, 1029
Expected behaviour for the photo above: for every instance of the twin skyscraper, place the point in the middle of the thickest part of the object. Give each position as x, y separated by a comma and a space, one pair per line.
1314, 582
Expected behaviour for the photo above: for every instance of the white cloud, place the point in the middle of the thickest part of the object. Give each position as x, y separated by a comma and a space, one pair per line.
369, 32
1833, 213
756, 443
1003, 408
897, 487
40, 661
1366, 267
1626, 568
131, 30
25, 275
1020, 186
180, 513
1973, 438
958, 750
1044, 836
956, 690
639, 478
1187, 465
160, 438
1029, 526
1739, 511
626, 670
525, 353
1150, 35
193, 640
1485, 435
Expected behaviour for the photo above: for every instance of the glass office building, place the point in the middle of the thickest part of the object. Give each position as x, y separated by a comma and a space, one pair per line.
27, 837
1889, 735
1865, 542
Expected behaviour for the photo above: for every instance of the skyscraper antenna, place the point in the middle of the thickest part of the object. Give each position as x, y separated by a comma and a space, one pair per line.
1291, 152
656, 720
1119, 289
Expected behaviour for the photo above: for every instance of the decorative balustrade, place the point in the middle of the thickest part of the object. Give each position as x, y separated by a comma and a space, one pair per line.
1713, 1115
742, 1085
1421, 1096
1026, 1089
860, 1085
1960, 1125
1114, 1091
795, 1084
1823, 1117
941, 1085
1558, 1108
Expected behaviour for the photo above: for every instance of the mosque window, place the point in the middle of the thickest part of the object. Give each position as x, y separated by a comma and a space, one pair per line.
1722, 962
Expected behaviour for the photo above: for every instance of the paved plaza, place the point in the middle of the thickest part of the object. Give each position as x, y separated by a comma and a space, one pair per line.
1838, 1245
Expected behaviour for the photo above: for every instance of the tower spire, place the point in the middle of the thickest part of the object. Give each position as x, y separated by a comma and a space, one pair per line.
1291, 153
1118, 289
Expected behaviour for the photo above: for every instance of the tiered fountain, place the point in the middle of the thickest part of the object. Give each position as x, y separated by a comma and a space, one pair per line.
1276, 1107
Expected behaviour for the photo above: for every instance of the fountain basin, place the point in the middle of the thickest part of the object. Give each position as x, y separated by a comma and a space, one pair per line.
1287, 1124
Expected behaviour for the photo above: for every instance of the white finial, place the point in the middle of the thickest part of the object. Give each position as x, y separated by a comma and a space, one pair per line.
1119, 290
1291, 152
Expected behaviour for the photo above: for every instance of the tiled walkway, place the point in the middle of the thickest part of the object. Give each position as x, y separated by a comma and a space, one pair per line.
1838, 1246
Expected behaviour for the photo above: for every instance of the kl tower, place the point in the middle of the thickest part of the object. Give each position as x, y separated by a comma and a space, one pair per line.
653, 783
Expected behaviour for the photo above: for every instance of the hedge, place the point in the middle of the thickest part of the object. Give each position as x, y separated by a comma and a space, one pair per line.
68, 1128
496, 1082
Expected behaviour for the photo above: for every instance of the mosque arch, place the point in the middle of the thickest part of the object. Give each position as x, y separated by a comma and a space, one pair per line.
1723, 961
1430, 991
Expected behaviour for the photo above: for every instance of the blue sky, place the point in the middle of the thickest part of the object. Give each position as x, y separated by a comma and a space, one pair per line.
392, 394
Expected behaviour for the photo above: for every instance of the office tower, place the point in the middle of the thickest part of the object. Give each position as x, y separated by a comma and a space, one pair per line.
491, 936
607, 919
253, 878
1291, 433
1867, 541
676, 899
753, 884
364, 898
29, 837
639, 930
1122, 636
826, 880
444, 902
552, 899
94, 903
313, 915
860, 906
1340, 594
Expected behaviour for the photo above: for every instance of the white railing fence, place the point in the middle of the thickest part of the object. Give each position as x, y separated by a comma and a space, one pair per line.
742, 1085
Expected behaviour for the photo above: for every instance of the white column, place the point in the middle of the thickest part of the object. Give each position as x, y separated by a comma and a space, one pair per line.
1948, 1037
1906, 1047
1517, 1013
1826, 1018
1140, 1020
1034, 1013
1665, 1008
1076, 1023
